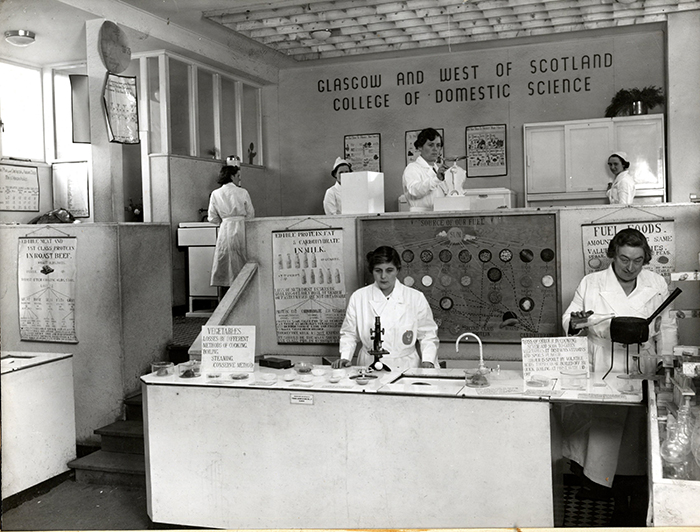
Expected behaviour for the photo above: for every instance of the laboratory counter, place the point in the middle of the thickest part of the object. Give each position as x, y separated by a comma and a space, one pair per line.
282, 449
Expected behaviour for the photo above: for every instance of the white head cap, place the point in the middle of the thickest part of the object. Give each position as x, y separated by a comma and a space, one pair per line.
233, 160
621, 154
339, 162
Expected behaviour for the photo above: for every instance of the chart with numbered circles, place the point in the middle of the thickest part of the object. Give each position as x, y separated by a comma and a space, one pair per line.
496, 276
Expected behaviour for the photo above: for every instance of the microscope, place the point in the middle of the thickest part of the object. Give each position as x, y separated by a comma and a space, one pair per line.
377, 350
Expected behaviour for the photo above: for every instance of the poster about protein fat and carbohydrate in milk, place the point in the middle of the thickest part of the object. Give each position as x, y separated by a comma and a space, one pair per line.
309, 285
46, 277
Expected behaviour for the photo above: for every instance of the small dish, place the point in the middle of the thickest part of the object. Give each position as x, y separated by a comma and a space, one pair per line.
189, 370
163, 369
318, 372
239, 376
334, 378
289, 376
362, 380
303, 367
307, 378
268, 378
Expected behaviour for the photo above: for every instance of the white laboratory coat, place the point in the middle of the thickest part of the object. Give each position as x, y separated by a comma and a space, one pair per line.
229, 205
602, 293
606, 439
332, 201
421, 185
405, 317
623, 189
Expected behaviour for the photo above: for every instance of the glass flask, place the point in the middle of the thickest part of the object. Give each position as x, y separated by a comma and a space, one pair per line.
675, 449
695, 442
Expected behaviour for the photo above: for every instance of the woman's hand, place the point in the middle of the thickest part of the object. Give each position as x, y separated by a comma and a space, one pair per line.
340, 363
576, 319
425, 364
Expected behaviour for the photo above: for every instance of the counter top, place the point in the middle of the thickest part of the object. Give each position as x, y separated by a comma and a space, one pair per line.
17, 360
503, 384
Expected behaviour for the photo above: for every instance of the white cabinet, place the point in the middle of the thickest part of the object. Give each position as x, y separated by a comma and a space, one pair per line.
566, 162
200, 240
38, 418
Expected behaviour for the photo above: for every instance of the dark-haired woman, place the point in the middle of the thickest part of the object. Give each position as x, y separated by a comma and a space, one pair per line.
622, 189
424, 178
604, 440
405, 317
227, 204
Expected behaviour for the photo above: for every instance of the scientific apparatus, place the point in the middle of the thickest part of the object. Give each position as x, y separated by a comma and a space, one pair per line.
377, 350
629, 330
475, 378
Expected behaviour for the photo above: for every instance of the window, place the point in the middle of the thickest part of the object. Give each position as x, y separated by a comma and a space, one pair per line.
210, 114
21, 113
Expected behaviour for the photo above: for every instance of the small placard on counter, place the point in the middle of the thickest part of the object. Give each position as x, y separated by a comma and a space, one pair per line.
228, 348
546, 358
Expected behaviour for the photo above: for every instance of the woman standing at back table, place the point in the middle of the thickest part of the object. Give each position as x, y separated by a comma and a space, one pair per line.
226, 205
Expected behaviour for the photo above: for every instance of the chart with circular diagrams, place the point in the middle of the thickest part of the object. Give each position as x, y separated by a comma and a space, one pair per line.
495, 276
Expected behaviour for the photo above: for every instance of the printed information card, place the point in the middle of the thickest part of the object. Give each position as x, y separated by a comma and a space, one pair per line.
545, 358
228, 348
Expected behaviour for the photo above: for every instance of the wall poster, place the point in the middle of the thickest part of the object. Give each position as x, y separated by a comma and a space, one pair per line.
486, 150
121, 108
660, 234
308, 285
46, 278
495, 276
363, 152
19, 188
71, 188
412, 152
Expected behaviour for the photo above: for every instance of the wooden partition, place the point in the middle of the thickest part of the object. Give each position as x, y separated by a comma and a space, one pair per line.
123, 311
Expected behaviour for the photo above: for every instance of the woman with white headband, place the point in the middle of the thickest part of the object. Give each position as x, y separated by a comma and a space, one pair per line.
227, 205
622, 188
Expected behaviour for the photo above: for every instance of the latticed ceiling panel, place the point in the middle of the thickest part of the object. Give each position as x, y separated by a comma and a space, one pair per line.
360, 27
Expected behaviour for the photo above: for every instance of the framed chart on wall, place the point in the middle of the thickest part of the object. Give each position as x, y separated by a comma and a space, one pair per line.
486, 150
411, 152
363, 152
495, 276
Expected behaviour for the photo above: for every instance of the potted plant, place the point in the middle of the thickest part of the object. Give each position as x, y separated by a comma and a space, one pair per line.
634, 101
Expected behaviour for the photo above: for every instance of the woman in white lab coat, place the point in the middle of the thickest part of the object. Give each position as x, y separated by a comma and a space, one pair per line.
607, 440
405, 317
623, 188
227, 205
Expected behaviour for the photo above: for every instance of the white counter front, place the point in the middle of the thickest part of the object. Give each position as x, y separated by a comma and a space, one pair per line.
38, 418
262, 456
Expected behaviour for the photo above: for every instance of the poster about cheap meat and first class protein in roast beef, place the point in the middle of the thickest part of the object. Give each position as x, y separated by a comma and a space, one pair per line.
309, 285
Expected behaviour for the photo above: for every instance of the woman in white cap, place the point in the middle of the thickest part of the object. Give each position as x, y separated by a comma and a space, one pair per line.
227, 205
331, 201
622, 188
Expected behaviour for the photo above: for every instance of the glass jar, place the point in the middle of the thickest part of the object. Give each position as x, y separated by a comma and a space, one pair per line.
675, 449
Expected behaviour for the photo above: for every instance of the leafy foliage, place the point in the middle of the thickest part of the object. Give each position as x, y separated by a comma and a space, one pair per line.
621, 104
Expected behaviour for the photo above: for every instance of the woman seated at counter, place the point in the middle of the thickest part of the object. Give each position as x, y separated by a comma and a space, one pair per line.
405, 317
603, 440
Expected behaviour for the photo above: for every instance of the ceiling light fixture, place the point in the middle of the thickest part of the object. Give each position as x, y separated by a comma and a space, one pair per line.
20, 37
321, 35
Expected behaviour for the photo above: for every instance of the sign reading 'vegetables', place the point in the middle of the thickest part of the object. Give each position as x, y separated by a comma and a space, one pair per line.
228, 348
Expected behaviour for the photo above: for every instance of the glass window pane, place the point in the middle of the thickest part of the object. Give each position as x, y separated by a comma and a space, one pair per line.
21, 110
154, 123
66, 149
229, 138
251, 113
179, 108
205, 101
